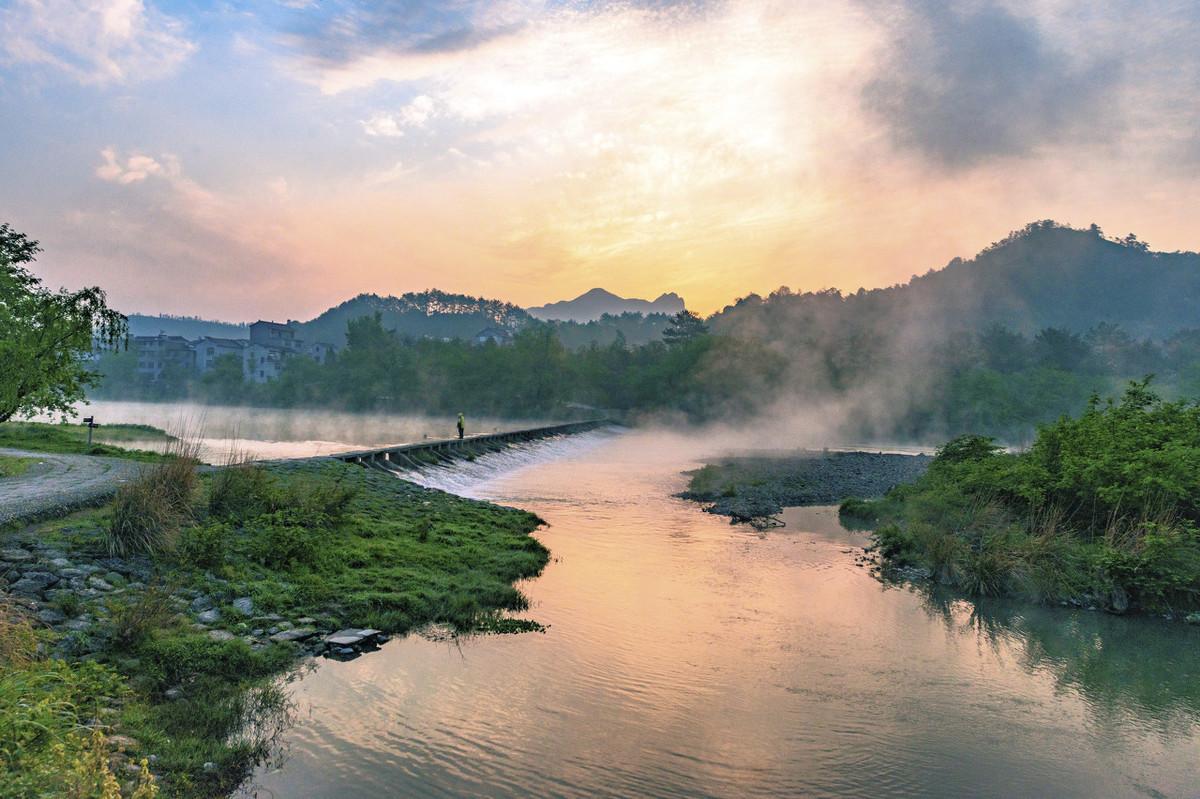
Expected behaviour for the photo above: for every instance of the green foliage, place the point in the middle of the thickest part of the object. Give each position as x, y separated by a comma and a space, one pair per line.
286, 539
44, 335
132, 620
1105, 505
204, 546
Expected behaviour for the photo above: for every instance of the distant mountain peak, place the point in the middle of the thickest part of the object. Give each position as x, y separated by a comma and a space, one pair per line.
597, 302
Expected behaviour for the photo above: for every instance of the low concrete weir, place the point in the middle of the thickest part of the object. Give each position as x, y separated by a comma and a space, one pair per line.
406, 457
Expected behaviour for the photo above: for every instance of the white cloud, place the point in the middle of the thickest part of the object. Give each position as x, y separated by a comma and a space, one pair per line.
93, 41
134, 169
413, 115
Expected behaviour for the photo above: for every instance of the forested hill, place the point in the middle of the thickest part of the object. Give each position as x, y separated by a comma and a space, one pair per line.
1045, 275
427, 314
186, 326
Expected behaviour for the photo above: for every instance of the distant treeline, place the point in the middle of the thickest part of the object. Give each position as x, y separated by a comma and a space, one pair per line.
1025, 332
998, 381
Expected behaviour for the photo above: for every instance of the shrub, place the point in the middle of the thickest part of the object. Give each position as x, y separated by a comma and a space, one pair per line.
285, 539
131, 622
147, 511
241, 491
204, 546
323, 500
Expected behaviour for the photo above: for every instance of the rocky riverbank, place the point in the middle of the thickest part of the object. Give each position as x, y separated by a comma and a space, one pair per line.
265, 568
755, 489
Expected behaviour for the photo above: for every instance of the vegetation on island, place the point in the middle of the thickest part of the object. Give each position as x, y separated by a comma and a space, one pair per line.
1102, 510
208, 589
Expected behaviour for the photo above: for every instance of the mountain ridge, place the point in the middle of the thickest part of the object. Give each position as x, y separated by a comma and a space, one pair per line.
598, 302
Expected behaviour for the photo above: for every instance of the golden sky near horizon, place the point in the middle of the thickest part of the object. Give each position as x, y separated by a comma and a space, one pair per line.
273, 159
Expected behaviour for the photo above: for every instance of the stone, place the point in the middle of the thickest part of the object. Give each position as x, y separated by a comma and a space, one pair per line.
306, 621
16, 555
244, 605
61, 563
99, 584
173, 693
122, 742
200, 603
209, 616
51, 616
351, 637
285, 625
77, 625
210, 766
44, 579
220, 635
297, 634
258, 632
115, 578
1192, 618
70, 572
89, 568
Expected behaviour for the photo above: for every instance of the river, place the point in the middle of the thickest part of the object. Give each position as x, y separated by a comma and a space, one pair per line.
689, 658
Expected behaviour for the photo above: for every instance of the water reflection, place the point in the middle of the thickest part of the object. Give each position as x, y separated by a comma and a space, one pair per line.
686, 657
1129, 670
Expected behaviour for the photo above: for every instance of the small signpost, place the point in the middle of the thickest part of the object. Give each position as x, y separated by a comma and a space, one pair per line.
90, 421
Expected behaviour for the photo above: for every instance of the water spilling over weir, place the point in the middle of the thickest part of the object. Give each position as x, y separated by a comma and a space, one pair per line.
474, 455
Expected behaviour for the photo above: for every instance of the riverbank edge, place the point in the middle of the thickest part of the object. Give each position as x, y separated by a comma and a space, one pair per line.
224, 627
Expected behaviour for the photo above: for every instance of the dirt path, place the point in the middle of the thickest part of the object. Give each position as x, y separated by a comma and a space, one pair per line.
60, 482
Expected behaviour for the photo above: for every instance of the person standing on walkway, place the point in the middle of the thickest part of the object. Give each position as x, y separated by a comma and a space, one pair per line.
462, 425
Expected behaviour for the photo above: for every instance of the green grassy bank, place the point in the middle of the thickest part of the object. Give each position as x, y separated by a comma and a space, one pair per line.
192, 588
1101, 511
71, 439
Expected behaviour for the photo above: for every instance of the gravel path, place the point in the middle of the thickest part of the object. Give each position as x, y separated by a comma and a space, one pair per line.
59, 483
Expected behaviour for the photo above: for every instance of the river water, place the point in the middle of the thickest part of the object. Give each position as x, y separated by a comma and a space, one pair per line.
689, 658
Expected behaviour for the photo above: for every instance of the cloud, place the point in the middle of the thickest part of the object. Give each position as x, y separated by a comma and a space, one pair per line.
135, 168
93, 41
413, 115
963, 86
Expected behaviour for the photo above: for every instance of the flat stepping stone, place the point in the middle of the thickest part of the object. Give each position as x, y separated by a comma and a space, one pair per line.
352, 637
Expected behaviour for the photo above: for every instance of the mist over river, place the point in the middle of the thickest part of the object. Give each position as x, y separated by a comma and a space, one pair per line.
265, 433
686, 657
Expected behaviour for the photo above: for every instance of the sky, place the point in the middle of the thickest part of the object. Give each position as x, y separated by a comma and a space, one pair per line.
271, 159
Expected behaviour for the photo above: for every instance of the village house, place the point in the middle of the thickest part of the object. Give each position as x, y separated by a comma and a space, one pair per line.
496, 335
262, 356
209, 348
158, 353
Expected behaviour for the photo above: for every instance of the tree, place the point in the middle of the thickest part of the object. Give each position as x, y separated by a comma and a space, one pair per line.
684, 327
46, 337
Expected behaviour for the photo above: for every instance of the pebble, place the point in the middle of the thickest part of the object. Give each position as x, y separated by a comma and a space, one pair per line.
220, 635
244, 605
209, 616
99, 584
16, 555
201, 603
